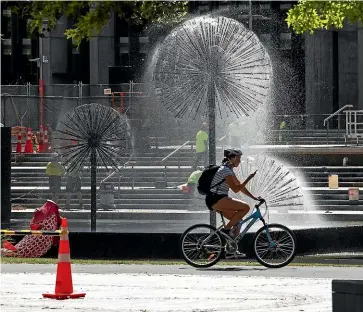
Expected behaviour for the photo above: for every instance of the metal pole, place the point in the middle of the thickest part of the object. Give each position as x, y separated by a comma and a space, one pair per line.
250, 16
81, 92
93, 190
27, 104
212, 134
4, 99
339, 124
41, 82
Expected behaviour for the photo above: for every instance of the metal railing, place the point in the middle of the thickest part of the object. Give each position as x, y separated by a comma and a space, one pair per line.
173, 152
353, 125
327, 120
170, 154
118, 170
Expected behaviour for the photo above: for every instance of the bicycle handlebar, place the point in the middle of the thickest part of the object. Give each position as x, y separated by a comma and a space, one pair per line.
261, 201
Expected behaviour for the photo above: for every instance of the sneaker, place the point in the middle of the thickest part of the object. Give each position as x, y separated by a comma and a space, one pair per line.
235, 255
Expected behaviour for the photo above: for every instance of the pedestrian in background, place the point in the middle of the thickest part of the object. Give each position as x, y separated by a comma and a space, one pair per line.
55, 171
283, 128
74, 184
201, 146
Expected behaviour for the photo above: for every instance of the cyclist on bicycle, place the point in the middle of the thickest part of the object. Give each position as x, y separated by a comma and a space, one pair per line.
232, 209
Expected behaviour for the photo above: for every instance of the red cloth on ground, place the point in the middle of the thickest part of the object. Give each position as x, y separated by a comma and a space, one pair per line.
45, 218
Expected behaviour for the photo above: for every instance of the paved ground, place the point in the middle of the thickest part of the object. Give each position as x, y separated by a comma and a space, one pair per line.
174, 288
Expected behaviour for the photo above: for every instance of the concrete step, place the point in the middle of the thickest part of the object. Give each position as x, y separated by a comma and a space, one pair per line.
122, 191
175, 206
337, 207
330, 196
325, 184
87, 179
336, 202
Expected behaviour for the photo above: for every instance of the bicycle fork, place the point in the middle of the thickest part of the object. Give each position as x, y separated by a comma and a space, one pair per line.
271, 242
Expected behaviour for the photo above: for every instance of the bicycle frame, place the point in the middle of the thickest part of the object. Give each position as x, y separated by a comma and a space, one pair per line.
252, 219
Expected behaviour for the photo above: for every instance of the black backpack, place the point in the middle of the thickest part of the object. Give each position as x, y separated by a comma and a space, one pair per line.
205, 180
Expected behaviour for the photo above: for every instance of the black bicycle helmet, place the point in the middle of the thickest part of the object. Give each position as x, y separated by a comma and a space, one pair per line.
229, 153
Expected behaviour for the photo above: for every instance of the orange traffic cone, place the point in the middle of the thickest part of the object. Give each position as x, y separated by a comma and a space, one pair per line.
41, 139
28, 144
18, 144
46, 142
63, 283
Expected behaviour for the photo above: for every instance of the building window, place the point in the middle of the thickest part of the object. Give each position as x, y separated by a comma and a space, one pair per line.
144, 44
204, 8
7, 46
27, 47
264, 6
144, 48
285, 6
265, 38
285, 41
6, 24
124, 48
244, 8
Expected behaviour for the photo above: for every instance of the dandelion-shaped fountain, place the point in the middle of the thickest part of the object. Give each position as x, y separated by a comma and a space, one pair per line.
273, 181
212, 66
98, 133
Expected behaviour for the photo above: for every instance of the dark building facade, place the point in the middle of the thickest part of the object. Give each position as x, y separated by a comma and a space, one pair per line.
312, 74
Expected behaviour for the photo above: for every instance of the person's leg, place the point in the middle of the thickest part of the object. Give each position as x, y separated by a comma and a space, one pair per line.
79, 194
77, 189
229, 215
205, 158
57, 187
198, 157
52, 188
68, 191
232, 209
55, 198
68, 199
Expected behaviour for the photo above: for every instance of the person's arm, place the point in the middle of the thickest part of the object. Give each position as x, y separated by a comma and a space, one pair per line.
47, 169
237, 186
247, 193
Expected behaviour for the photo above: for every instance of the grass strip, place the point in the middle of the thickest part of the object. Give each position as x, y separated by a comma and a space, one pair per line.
8, 260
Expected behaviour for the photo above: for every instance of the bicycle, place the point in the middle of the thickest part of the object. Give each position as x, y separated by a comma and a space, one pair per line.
274, 245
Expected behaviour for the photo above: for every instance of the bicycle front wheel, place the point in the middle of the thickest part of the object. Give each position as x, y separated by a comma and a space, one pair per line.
277, 252
201, 246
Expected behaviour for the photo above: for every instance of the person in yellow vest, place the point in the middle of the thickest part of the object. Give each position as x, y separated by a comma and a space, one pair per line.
201, 146
55, 171
283, 128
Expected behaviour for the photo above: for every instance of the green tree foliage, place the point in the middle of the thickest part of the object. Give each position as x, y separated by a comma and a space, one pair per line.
312, 15
91, 16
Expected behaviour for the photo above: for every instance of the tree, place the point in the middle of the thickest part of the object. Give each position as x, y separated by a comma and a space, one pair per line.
91, 16
312, 15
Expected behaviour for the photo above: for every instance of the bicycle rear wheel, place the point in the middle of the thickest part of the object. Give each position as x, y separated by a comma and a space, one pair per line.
278, 254
201, 246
